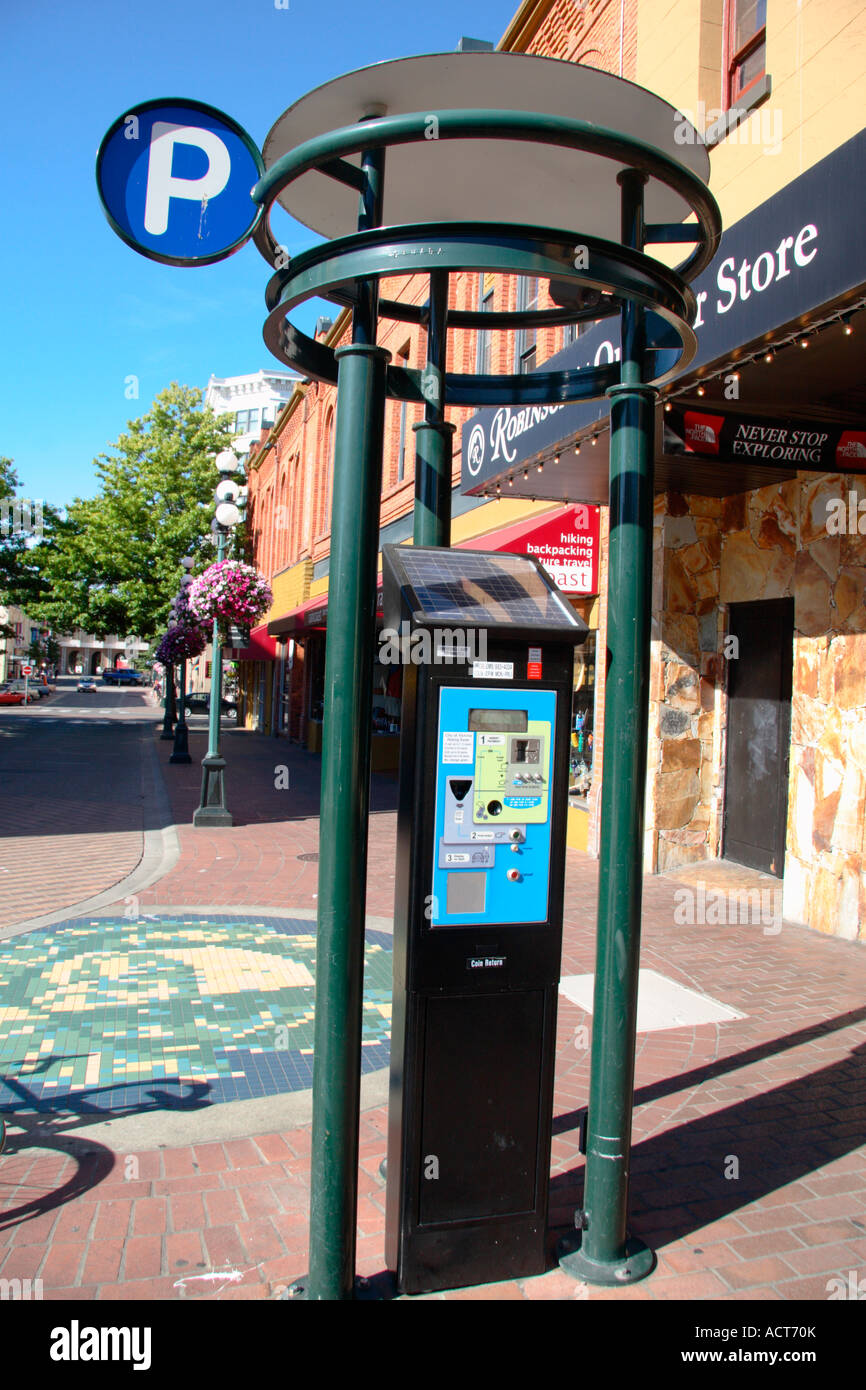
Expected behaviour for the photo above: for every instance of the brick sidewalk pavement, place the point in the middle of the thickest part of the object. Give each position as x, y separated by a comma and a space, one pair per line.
261, 858
748, 1172
73, 815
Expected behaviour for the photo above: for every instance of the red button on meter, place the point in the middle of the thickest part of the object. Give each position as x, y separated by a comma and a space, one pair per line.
513, 875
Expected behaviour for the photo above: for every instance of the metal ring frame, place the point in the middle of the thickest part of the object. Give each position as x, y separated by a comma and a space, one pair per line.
613, 272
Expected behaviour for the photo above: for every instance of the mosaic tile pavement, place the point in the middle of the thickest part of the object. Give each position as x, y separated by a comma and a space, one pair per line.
169, 1010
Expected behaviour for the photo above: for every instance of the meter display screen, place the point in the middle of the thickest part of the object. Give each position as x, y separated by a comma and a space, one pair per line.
491, 862
485, 721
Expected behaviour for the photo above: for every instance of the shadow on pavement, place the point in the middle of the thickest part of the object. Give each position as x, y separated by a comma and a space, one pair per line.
684, 1178
48, 1131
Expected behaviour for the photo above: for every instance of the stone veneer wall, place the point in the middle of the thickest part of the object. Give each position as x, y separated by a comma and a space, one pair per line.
766, 544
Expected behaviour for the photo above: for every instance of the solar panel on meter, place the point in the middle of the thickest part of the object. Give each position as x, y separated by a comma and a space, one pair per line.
478, 588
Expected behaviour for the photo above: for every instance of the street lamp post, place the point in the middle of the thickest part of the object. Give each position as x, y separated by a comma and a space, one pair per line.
212, 809
180, 753
170, 715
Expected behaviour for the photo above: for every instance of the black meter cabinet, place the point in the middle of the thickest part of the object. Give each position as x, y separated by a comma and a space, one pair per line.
478, 912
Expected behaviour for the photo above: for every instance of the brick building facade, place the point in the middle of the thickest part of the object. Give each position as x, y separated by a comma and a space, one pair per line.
777, 103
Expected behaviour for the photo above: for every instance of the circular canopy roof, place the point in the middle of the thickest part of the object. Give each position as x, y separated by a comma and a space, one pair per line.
512, 181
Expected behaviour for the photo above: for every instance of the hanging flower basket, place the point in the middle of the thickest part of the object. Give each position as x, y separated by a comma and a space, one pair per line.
184, 614
231, 592
180, 644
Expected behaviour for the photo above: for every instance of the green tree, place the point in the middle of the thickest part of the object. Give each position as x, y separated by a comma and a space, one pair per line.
24, 525
113, 564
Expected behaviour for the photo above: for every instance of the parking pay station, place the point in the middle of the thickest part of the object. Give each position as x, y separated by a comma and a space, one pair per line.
478, 912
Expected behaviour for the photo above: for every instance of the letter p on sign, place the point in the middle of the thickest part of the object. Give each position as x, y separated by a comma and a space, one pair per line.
162, 185
180, 193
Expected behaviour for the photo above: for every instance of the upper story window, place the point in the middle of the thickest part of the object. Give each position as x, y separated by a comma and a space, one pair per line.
403, 361
485, 340
746, 44
246, 421
528, 289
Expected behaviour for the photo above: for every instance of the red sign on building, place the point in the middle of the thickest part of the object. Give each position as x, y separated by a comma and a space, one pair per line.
567, 546
566, 542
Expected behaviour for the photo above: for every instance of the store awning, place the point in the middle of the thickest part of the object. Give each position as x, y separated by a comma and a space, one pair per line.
311, 614
783, 275
261, 647
565, 540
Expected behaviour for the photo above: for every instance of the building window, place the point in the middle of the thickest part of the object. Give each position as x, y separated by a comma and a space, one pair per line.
401, 445
746, 41
485, 340
246, 421
325, 494
528, 288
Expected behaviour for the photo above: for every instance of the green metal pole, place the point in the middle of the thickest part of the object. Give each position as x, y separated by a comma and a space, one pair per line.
170, 714
212, 808
433, 435
345, 786
607, 1255
180, 752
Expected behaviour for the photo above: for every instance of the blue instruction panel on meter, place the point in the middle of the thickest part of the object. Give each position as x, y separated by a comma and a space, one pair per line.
491, 858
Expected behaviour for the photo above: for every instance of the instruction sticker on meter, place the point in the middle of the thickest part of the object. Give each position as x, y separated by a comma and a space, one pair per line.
458, 747
491, 863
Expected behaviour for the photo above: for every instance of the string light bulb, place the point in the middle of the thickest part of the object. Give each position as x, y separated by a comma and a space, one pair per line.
769, 355
541, 465
556, 458
594, 440
526, 475
511, 480
804, 342
577, 447
668, 405
846, 325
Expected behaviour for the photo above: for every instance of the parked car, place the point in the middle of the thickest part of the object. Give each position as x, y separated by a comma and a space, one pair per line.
11, 697
122, 676
20, 687
199, 703
88, 687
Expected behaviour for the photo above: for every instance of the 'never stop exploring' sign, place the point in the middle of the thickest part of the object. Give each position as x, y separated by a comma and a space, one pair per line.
175, 179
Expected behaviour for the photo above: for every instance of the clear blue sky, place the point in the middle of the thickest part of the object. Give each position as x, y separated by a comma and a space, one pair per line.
81, 311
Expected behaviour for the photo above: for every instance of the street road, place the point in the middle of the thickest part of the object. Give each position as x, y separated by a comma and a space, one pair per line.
72, 795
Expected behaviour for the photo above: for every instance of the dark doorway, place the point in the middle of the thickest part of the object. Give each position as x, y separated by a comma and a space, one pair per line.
758, 733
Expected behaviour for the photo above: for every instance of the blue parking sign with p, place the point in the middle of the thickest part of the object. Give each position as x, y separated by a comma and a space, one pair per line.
175, 179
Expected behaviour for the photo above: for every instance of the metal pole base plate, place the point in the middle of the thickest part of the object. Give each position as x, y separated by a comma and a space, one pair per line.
212, 808
211, 816
380, 1288
636, 1263
181, 745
